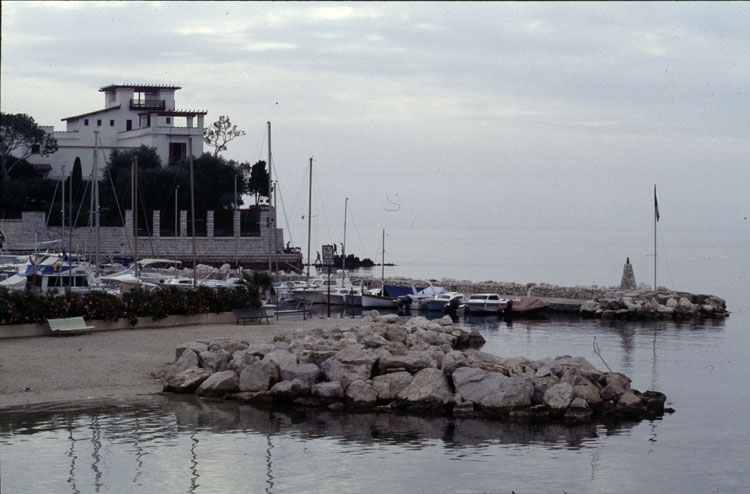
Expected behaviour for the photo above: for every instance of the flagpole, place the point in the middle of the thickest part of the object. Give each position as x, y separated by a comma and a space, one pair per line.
656, 219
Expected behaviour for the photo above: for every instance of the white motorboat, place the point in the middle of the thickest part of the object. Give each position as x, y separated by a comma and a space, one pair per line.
316, 291
285, 289
59, 272
347, 296
374, 299
441, 300
486, 303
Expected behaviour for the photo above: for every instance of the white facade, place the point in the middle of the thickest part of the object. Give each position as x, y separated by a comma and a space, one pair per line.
133, 115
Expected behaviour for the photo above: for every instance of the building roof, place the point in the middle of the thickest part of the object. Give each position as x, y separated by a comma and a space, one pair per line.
91, 113
139, 87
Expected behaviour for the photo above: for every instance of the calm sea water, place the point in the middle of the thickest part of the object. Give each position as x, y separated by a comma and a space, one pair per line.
178, 444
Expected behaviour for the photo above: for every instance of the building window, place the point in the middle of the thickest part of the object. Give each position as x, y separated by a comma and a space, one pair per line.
98, 123
169, 120
128, 125
86, 122
177, 151
111, 123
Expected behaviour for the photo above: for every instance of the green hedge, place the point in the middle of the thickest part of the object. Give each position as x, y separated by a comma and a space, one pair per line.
32, 307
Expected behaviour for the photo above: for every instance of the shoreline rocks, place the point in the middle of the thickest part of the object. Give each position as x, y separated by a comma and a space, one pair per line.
648, 304
416, 366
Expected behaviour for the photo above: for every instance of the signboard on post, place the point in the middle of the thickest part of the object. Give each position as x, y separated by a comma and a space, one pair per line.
328, 255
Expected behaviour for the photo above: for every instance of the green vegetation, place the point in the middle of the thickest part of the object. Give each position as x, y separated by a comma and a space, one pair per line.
27, 307
20, 137
219, 133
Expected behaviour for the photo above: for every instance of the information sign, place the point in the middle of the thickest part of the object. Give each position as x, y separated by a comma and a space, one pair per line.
328, 255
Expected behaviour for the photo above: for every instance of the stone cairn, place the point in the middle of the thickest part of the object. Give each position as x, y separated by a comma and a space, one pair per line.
419, 366
628, 276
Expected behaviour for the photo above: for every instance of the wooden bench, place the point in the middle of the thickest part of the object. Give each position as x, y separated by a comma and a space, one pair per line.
68, 325
252, 313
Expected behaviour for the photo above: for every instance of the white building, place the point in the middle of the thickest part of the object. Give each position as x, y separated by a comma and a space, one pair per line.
133, 115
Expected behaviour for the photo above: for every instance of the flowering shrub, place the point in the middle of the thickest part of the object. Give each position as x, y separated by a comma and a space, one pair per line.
32, 307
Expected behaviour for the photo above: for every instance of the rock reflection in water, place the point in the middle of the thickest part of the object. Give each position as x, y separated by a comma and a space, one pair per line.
114, 445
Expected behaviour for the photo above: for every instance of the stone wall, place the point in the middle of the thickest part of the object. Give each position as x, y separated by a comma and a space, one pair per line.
515, 289
120, 241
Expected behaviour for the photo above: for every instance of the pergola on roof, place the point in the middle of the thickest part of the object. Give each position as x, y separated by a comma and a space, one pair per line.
139, 87
174, 113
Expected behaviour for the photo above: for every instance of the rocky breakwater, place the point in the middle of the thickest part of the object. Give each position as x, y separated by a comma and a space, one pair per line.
417, 366
648, 304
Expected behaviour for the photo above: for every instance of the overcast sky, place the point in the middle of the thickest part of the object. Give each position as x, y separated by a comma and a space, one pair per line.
427, 114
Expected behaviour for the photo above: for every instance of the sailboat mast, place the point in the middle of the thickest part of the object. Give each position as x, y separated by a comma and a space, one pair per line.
135, 212
96, 198
192, 207
271, 221
343, 246
62, 178
309, 218
382, 262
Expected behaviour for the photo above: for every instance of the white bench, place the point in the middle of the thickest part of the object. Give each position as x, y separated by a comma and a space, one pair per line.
68, 325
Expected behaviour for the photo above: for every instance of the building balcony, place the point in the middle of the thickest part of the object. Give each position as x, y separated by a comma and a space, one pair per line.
161, 131
144, 104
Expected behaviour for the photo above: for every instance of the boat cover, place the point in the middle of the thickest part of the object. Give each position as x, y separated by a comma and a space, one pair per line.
394, 291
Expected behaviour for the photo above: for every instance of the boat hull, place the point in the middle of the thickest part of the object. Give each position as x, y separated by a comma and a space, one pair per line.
378, 302
485, 308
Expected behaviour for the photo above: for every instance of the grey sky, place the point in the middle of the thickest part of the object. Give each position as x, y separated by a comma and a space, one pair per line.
480, 114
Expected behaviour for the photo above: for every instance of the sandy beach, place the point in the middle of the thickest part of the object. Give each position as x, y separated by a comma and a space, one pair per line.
113, 363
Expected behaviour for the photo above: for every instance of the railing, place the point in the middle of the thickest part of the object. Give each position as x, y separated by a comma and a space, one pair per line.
143, 104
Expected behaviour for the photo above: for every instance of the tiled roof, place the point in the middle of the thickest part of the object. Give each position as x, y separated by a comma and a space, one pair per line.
139, 87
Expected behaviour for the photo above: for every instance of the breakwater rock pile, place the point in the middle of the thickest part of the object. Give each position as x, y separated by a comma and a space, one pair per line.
647, 304
598, 301
417, 366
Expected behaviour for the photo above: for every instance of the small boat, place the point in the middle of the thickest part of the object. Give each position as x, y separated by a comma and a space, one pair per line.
375, 299
59, 272
316, 291
419, 299
351, 296
527, 305
177, 282
486, 303
443, 300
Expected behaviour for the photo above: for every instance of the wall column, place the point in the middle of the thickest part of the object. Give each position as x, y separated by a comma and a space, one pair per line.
210, 224
157, 223
183, 223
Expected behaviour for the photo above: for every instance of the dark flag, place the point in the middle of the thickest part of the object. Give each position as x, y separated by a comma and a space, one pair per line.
656, 205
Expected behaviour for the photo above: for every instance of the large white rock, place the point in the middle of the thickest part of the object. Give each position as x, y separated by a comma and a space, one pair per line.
493, 389
219, 384
389, 386
428, 386
559, 396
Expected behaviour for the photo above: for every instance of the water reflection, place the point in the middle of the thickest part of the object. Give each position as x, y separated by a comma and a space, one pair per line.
141, 429
183, 444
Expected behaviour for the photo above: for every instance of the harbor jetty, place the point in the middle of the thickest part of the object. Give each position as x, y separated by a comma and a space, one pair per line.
394, 365
642, 302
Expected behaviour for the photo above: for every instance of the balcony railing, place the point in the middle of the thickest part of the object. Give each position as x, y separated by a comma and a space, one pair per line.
143, 104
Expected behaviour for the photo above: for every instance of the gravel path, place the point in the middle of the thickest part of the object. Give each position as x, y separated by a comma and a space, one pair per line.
113, 363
